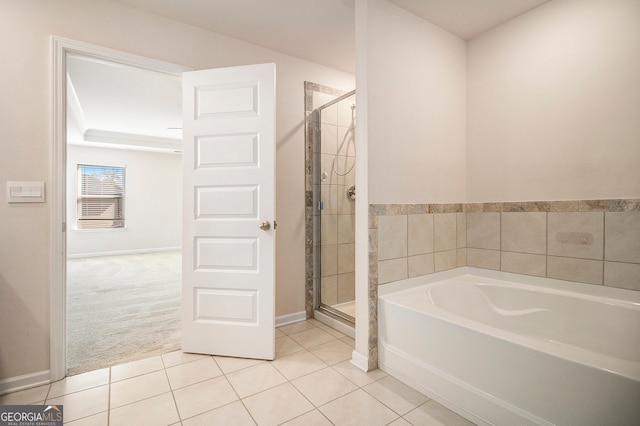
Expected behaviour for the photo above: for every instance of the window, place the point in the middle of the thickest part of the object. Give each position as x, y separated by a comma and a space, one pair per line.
100, 197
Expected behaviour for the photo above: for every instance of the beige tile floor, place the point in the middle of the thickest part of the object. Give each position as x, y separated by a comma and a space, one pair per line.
311, 382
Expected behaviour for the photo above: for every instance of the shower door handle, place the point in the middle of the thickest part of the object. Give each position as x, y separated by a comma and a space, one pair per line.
265, 225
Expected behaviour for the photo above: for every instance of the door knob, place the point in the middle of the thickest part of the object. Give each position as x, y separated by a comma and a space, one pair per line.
265, 225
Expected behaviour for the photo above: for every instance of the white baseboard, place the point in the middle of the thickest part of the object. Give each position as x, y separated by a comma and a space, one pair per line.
18, 383
291, 318
121, 252
360, 361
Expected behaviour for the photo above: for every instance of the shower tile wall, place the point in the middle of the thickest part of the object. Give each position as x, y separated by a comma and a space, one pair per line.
316, 95
337, 235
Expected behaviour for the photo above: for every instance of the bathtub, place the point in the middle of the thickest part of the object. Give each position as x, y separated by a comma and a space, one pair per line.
508, 349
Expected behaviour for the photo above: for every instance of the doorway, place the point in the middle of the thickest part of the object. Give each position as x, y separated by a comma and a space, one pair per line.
82, 135
123, 208
224, 137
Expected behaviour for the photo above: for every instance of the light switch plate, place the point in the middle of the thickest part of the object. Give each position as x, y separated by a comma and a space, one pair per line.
25, 192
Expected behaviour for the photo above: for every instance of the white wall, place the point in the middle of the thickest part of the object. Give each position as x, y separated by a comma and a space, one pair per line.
411, 125
416, 92
26, 27
153, 202
554, 104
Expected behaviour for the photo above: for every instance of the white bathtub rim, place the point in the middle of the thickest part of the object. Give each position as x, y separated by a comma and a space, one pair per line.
415, 285
395, 286
621, 367
549, 283
596, 290
472, 279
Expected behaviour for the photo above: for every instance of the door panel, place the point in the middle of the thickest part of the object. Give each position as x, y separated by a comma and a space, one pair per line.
240, 150
227, 202
229, 190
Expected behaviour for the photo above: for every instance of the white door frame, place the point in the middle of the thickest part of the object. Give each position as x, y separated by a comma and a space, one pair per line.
60, 47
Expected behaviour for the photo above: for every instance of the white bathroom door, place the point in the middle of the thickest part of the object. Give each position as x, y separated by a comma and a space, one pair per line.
228, 284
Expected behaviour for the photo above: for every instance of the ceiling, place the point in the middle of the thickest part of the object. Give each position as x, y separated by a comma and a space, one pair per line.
323, 31
125, 106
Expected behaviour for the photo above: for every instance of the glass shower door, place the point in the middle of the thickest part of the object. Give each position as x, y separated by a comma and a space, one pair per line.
334, 194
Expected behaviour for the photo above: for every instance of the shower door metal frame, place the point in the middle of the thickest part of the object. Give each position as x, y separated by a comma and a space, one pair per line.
317, 218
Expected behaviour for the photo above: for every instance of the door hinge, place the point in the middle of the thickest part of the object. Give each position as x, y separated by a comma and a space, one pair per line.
64, 226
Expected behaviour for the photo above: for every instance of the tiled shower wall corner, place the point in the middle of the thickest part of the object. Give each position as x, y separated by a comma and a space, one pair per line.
592, 242
317, 95
337, 214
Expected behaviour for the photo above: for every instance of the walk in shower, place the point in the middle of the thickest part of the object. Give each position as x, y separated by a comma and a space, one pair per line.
333, 160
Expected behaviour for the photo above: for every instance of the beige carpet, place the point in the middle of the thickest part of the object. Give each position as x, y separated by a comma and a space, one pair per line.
122, 308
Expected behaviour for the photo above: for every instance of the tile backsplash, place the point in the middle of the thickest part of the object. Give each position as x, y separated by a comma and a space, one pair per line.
408, 241
592, 241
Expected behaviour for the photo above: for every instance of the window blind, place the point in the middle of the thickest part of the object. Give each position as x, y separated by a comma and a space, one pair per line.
100, 196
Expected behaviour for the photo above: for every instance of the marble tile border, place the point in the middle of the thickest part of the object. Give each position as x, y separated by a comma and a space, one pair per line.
310, 252
613, 205
391, 209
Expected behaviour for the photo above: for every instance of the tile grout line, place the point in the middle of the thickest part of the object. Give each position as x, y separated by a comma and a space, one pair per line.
241, 400
109, 399
305, 396
46, 397
173, 396
326, 365
387, 406
604, 239
500, 238
546, 247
